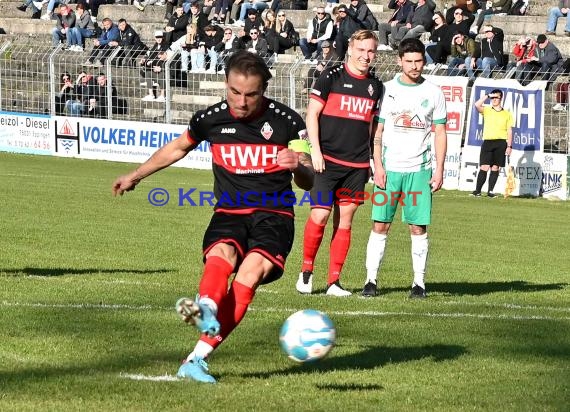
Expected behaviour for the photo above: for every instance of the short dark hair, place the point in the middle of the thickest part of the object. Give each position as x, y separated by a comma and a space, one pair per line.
541, 38
249, 64
121, 21
497, 91
411, 45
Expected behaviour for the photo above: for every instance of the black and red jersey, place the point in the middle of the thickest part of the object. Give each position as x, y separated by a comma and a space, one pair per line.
244, 155
351, 102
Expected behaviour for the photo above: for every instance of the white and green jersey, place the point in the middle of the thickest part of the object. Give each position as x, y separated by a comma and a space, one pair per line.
408, 112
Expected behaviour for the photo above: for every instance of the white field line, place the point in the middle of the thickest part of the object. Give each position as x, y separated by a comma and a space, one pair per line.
291, 310
141, 377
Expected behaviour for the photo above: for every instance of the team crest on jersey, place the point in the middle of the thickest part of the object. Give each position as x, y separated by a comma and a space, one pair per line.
370, 90
267, 131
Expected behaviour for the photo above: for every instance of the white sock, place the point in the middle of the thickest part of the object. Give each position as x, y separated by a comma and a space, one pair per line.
201, 350
374, 255
419, 258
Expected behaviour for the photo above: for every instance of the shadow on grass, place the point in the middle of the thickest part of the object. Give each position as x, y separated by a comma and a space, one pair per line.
349, 387
369, 358
48, 272
478, 288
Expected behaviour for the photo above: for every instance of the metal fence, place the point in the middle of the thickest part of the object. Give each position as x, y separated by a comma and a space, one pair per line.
31, 81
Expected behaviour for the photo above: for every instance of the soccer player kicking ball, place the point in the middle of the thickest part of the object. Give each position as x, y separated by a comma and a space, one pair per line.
402, 162
340, 121
251, 240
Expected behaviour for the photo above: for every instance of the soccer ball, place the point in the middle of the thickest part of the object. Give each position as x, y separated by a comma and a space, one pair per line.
307, 335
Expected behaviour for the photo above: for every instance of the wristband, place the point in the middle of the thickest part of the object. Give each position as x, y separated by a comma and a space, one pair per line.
509, 147
300, 146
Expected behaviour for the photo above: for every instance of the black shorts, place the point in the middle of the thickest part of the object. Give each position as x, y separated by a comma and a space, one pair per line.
340, 184
269, 234
493, 152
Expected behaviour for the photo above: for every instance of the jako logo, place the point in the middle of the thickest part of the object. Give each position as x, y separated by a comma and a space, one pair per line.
228, 130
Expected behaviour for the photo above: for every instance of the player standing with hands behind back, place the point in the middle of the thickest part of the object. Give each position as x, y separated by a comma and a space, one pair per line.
340, 123
402, 162
249, 238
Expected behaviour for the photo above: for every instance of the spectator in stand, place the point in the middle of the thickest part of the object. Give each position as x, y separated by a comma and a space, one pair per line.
258, 5
93, 7
419, 21
65, 94
319, 29
214, 35
548, 58
524, 52
36, 12
257, 45
561, 96
152, 68
253, 21
402, 9
229, 44
326, 59
468, 7
51, 6
175, 29
65, 21
170, 7
460, 23
102, 47
99, 103
360, 12
198, 18
462, 47
221, 10
346, 28
563, 10
193, 47
491, 53
279, 33
82, 91
439, 47
492, 7
84, 27
131, 45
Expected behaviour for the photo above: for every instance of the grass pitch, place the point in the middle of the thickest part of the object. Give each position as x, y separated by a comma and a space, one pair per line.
88, 284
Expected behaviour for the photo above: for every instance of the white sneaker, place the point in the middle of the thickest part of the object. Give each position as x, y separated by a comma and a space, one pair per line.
46, 16
336, 290
558, 107
38, 4
148, 98
160, 99
138, 5
305, 282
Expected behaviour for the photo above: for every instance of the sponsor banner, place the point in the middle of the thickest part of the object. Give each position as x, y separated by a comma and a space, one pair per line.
121, 141
527, 105
26, 133
454, 89
554, 176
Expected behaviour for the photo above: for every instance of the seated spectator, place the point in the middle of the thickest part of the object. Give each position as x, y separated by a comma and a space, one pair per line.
279, 33
524, 52
325, 59
65, 21
258, 45
319, 29
82, 92
253, 21
346, 28
93, 7
65, 94
462, 47
229, 44
468, 8
51, 6
258, 5
492, 7
193, 49
561, 96
84, 28
461, 22
439, 46
359, 11
548, 58
131, 45
197, 17
102, 47
519, 8
152, 68
491, 53
402, 9
562, 10
99, 102
214, 35
419, 21
221, 11
36, 12
170, 7
175, 29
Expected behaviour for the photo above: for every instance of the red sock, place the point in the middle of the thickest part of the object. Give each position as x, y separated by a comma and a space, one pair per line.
231, 311
340, 244
311, 241
214, 283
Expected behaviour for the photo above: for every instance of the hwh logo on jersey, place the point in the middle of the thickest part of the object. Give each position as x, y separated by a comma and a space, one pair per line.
243, 155
356, 104
349, 107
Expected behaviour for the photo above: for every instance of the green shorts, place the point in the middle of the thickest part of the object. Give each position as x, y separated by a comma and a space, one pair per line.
410, 190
